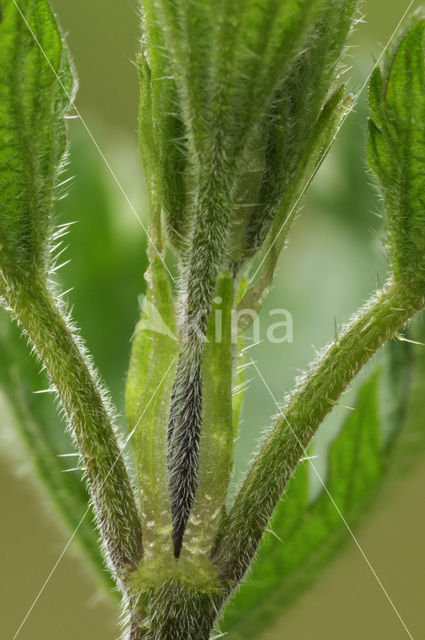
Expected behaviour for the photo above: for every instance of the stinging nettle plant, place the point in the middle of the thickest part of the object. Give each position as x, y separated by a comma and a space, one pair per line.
240, 102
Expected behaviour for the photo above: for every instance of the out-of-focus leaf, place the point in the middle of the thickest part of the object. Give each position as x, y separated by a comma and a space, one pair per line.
410, 444
364, 457
48, 446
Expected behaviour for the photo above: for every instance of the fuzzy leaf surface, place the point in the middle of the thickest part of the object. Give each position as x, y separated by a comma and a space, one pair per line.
302, 121
397, 151
32, 133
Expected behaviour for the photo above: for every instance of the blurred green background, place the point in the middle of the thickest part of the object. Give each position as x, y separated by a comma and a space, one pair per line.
329, 269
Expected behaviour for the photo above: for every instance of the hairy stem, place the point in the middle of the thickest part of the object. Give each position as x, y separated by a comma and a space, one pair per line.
84, 403
182, 612
305, 410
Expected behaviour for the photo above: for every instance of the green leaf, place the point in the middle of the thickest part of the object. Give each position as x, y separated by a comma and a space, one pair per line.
305, 534
410, 443
33, 105
397, 153
162, 137
209, 73
227, 61
305, 115
277, 216
227, 58
36, 86
32, 146
300, 126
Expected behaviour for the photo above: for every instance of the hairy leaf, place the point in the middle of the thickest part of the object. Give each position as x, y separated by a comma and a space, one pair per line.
35, 92
162, 137
32, 134
305, 115
397, 152
214, 47
301, 123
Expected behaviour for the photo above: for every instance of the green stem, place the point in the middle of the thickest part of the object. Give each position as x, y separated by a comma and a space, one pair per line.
89, 415
305, 410
175, 598
182, 612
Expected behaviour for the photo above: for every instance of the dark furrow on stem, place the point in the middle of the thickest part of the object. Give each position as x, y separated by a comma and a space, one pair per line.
184, 442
